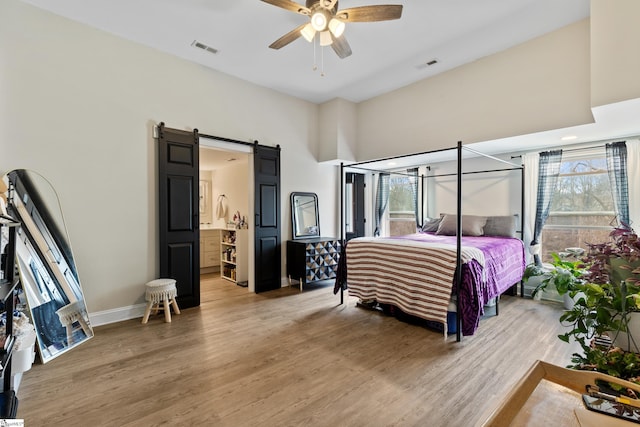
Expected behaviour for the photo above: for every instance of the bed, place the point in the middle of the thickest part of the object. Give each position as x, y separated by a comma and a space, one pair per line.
417, 273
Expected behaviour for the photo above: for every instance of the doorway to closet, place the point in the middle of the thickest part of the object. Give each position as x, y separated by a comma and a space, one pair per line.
179, 205
224, 199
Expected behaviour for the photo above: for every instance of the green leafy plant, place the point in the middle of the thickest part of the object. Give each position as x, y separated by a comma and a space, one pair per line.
606, 293
611, 361
563, 274
601, 308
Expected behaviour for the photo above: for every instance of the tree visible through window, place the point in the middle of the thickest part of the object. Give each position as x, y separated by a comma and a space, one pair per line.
402, 218
401, 196
582, 210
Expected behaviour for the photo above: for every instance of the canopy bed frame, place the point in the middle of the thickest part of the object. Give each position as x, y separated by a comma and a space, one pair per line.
458, 274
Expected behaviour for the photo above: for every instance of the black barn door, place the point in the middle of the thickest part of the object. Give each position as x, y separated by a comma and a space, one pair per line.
179, 237
268, 252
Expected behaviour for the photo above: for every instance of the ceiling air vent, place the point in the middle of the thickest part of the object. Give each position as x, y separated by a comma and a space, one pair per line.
427, 64
203, 46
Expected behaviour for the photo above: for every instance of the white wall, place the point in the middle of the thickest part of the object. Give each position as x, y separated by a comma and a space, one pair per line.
233, 182
487, 194
78, 105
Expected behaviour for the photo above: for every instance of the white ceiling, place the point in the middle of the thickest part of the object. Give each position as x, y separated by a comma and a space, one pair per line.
215, 158
386, 55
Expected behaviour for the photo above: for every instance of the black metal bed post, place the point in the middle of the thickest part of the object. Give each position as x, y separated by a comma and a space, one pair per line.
522, 213
422, 215
459, 246
341, 221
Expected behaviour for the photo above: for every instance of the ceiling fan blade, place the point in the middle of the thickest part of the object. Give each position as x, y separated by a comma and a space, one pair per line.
383, 12
341, 46
289, 5
287, 38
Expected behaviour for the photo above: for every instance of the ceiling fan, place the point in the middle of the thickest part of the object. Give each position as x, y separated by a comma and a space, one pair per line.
326, 20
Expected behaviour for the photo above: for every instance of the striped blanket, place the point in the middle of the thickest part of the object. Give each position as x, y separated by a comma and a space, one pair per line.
416, 273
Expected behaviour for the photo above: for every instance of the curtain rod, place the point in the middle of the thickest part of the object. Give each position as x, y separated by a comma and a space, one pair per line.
568, 150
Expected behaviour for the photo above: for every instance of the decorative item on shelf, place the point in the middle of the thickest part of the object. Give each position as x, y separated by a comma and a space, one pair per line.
239, 221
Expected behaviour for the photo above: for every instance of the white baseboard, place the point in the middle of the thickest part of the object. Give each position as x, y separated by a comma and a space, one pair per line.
117, 314
136, 311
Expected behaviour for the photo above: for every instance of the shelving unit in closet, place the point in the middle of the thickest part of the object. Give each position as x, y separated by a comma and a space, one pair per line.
234, 255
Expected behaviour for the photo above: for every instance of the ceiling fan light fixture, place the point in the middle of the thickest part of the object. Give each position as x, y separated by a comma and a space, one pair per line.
325, 38
308, 32
337, 27
319, 20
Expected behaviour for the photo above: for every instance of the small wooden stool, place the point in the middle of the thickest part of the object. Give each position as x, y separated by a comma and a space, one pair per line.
70, 314
161, 291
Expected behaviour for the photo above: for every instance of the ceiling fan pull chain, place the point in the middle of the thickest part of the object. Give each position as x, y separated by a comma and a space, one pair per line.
315, 62
321, 62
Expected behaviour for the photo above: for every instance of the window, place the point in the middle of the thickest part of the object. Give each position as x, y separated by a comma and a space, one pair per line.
582, 210
402, 203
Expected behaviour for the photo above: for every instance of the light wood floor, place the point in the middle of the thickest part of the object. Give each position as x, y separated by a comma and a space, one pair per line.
286, 358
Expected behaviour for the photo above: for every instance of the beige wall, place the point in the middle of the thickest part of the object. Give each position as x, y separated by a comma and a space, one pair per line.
78, 105
337, 130
539, 85
615, 51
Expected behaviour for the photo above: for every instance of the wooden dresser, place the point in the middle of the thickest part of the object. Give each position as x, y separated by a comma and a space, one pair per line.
209, 250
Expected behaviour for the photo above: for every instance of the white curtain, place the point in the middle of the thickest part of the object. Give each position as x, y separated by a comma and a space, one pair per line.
530, 161
633, 179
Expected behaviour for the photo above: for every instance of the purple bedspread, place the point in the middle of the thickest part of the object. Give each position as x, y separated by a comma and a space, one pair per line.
504, 266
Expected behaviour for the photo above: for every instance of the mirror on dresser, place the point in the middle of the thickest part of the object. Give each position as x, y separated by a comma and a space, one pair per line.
48, 272
304, 215
310, 258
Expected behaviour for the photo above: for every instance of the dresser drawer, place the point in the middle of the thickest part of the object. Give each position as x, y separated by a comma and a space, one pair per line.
210, 259
210, 244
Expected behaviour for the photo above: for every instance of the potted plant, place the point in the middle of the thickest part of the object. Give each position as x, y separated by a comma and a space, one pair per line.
616, 260
602, 309
563, 273
603, 319
615, 265
596, 321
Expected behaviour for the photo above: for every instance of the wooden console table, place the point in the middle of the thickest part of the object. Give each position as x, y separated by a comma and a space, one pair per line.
551, 395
